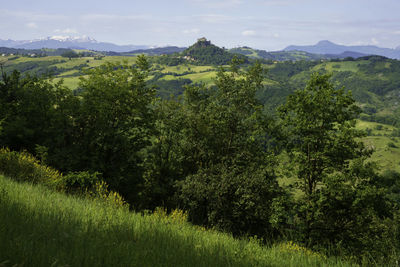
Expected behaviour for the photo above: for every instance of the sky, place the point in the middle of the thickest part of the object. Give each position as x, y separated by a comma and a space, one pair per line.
262, 24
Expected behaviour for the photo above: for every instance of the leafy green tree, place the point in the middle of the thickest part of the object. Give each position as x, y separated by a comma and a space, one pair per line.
227, 143
165, 160
340, 199
70, 54
320, 124
34, 112
115, 124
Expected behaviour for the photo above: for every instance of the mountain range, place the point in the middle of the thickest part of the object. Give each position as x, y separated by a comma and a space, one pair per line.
327, 47
83, 42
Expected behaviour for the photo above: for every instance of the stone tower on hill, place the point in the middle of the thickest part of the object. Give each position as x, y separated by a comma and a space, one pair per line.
203, 42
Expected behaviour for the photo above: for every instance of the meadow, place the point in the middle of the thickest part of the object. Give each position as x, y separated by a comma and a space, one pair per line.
386, 146
41, 227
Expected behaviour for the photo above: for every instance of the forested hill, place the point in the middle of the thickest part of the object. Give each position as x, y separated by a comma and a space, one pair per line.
373, 80
292, 55
204, 52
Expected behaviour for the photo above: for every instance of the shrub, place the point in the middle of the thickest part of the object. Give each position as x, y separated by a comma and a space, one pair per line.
101, 192
80, 181
22, 166
391, 145
232, 200
176, 215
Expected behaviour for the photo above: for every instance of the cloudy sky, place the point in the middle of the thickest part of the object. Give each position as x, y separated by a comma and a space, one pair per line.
263, 24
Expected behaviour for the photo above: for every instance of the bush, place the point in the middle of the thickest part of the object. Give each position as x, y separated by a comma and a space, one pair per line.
231, 200
70, 54
391, 145
80, 181
22, 166
101, 192
175, 216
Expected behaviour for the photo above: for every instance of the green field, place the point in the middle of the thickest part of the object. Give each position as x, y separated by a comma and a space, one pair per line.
352, 66
387, 149
44, 228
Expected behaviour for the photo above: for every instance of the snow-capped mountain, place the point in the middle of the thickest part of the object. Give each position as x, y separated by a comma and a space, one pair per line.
79, 39
75, 42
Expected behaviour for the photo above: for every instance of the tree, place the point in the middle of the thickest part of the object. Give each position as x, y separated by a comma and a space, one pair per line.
70, 54
340, 199
321, 136
229, 180
115, 124
34, 112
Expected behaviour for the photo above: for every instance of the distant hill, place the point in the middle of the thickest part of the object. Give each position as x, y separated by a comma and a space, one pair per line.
327, 47
204, 52
158, 51
293, 55
275, 55
346, 54
84, 42
42, 52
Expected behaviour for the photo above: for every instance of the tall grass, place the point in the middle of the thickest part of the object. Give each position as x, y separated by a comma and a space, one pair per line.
40, 227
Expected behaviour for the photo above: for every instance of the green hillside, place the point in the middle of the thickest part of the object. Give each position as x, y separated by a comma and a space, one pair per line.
223, 151
276, 55
42, 228
385, 141
205, 53
374, 81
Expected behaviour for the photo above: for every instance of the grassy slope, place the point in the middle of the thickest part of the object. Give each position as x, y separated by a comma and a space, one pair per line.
69, 81
43, 228
387, 157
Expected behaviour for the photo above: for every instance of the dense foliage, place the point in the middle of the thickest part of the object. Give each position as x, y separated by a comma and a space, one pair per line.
341, 198
205, 53
214, 152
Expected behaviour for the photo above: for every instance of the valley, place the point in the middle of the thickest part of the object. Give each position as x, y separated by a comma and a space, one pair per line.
223, 134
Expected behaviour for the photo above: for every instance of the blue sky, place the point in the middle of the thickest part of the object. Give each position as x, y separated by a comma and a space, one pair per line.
263, 24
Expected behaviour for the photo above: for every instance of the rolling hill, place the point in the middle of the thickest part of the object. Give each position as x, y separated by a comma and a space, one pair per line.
373, 80
327, 47
48, 223
204, 52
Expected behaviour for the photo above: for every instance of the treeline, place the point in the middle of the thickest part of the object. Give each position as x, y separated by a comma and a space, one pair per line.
214, 153
42, 52
43, 68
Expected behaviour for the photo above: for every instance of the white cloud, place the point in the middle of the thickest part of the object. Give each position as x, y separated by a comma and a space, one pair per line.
32, 16
218, 3
31, 25
215, 18
191, 31
276, 2
66, 31
113, 17
374, 41
248, 33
